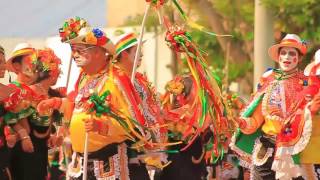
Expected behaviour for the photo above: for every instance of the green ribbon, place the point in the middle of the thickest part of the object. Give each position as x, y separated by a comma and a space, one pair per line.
100, 108
13, 118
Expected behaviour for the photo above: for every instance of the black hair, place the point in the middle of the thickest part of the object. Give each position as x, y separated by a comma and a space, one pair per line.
55, 93
17, 59
43, 76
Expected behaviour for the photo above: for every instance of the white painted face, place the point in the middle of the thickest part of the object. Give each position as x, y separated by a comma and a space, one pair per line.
288, 58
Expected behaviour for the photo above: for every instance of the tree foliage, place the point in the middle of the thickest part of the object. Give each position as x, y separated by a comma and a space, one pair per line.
301, 17
236, 17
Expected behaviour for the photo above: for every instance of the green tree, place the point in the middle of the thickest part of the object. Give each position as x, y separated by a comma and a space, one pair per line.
236, 17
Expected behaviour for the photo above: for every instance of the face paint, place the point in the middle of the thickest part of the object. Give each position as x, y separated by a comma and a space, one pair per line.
81, 55
28, 73
288, 58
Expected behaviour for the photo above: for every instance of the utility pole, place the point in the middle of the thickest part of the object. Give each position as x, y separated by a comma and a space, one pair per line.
263, 39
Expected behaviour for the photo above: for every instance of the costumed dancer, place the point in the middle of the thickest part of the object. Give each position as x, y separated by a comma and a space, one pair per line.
126, 48
195, 110
6, 141
309, 157
33, 67
274, 127
105, 106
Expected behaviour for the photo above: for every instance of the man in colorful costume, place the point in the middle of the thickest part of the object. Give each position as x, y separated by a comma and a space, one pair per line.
194, 110
105, 106
274, 122
126, 48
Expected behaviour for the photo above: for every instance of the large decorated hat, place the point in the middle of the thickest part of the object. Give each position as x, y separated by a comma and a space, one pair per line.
290, 40
313, 69
21, 49
77, 31
47, 61
126, 41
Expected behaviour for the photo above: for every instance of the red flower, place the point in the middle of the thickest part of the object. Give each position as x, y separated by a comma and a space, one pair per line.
102, 41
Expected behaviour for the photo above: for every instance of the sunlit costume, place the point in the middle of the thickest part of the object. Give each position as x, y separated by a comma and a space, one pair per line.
309, 157
21, 110
275, 126
109, 97
194, 111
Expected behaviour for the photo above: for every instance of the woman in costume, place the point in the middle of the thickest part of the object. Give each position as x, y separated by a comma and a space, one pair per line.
6, 140
309, 157
39, 70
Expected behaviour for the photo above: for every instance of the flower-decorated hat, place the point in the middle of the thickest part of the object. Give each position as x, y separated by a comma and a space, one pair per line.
77, 31
126, 41
313, 69
290, 40
21, 49
47, 61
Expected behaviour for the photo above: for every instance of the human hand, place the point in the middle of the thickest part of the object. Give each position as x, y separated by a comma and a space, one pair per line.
45, 107
55, 141
27, 145
11, 140
91, 125
241, 123
315, 104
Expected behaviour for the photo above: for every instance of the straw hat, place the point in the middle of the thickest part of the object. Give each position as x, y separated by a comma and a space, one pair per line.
21, 49
290, 40
77, 31
126, 41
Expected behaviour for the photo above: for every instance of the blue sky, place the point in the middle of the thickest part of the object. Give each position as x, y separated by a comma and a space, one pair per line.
42, 18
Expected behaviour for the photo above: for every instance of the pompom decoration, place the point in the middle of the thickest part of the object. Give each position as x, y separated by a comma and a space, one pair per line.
48, 61
156, 3
71, 28
207, 105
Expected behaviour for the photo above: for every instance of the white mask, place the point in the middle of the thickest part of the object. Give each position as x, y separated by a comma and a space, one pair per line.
288, 58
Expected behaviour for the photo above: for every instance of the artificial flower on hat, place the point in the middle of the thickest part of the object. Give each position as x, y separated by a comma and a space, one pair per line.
48, 61
77, 31
71, 28
290, 40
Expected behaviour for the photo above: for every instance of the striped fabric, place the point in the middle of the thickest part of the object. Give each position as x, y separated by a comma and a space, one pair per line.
126, 42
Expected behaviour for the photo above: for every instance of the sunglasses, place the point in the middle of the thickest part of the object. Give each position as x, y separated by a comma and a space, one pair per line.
80, 50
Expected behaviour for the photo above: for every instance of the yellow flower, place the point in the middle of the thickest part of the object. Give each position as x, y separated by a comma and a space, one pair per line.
175, 87
91, 39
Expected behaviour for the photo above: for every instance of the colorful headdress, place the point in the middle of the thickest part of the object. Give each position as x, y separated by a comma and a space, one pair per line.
208, 103
77, 31
126, 41
290, 40
47, 61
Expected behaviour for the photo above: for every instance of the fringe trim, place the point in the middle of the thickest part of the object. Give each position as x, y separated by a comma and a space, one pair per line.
283, 164
257, 146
